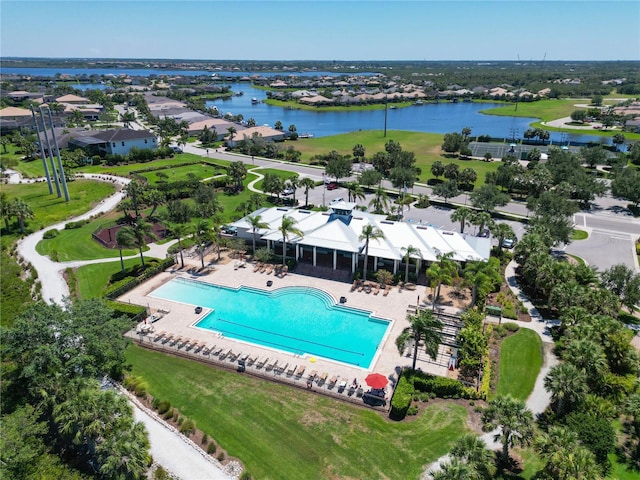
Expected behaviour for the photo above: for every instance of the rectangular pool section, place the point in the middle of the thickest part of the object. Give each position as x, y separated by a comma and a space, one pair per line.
299, 320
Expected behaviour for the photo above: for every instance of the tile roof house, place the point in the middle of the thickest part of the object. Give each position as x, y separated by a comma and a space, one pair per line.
12, 118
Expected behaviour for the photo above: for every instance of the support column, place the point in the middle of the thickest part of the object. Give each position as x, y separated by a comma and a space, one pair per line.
297, 252
335, 258
395, 267
314, 255
354, 262
375, 264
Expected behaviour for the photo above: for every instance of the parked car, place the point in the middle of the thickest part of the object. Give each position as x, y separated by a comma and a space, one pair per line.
332, 185
176, 149
288, 191
337, 200
229, 230
508, 243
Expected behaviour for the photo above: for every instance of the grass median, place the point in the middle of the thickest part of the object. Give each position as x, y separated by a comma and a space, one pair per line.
520, 362
284, 433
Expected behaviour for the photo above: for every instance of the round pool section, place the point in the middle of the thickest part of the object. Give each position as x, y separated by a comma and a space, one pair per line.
299, 320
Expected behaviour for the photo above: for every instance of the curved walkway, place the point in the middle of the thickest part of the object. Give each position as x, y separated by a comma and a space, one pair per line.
169, 448
539, 398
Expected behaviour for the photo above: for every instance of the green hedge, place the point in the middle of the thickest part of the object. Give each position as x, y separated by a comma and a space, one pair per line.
118, 289
442, 387
134, 312
401, 399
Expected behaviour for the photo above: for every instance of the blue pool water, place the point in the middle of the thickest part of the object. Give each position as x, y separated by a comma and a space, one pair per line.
298, 320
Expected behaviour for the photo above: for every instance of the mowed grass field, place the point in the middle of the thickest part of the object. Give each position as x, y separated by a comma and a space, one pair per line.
284, 433
92, 279
520, 362
425, 146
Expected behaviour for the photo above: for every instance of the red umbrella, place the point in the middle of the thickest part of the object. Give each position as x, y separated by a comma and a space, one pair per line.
376, 380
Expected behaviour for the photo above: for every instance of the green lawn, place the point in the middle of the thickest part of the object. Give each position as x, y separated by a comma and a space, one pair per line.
545, 110
124, 170
520, 362
49, 209
77, 244
92, 279
578, 234
284, 433
425, 146
200, 171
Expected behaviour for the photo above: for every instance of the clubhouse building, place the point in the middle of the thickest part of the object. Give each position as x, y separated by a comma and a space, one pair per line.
332, 239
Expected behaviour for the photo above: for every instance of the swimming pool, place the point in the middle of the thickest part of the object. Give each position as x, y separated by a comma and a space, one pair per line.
299, 320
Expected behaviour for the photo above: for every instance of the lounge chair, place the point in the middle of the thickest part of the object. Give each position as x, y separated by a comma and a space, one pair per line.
284, 271
167, 338
277, 270
313, 374
354, 285
251, 360
386, 290
263, 268
216, 351
292, 370
341, 386
185, 342
224, 355
322, 378
244, 357
361, 286
261, 363
206, 350
176, 340
281, 369
159, 335
258, 266
300, 371
270, 268
333, 381
272, 365
377, 289
234, 356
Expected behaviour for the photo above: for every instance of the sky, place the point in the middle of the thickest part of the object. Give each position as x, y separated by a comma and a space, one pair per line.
356, 30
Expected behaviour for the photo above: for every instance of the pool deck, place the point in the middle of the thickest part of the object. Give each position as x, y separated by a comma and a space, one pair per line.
179, 319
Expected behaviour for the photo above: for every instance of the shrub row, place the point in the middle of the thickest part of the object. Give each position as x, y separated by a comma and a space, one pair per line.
442, 387
176, 165
74, 225
401, 400
134, 312
116, 290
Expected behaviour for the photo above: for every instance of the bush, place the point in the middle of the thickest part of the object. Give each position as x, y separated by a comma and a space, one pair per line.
74, 225
126, 309
441, 387
220, 456
163, 407
205, 438
245, 475
512, 327
401, 399
211, 448
188, 427
49, 234
412, 410
168, 414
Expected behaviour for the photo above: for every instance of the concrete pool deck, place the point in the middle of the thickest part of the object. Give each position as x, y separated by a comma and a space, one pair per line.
178, 319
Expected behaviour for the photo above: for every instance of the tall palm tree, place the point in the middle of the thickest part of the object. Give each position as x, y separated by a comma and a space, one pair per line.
473, 451
355, 191
481, 219
21, 209
567, 385
409, 251
501, 231
441, 272
135, 190
5, 209
179, 230
462, 215
424, 330
308, 184
155, 198
380, 200
632, 409
256, 224
201, 231
369, 232
216, 230
142, 230
125, 238
287, 227
293, 182
565, 457
237, 171
514, 420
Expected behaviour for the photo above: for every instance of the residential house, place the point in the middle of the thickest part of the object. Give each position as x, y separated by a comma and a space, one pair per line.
114, 142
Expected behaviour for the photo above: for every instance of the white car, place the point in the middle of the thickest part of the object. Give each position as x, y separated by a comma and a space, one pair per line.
508, 243
337, 200
288, 191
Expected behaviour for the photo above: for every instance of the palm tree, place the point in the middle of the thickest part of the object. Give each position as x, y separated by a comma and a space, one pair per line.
256, 224
409, 251
216, 230
308, 184
21, 209
125, 238
441, 272
482, 277
5, 209
155, 198
424, 330
632, 409
481, 219
454, 469
380, 201
135, 190
232, 133
179, 230
287, 227
238, 171
462, 215
565, 457
293, 182
513, 418
567, 385
369, 232
355, 191
502, 231
141, 231
202, 233
474, 452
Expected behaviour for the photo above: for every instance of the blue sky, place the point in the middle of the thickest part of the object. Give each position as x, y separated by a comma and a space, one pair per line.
323, 30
